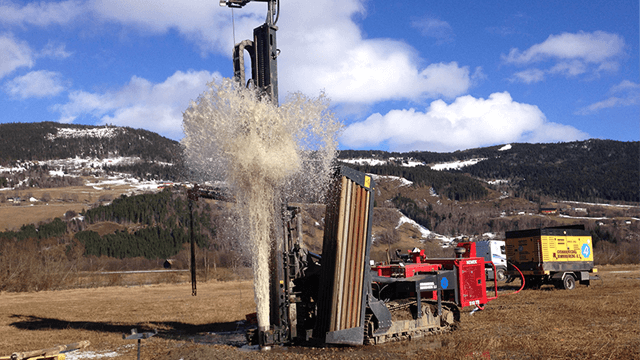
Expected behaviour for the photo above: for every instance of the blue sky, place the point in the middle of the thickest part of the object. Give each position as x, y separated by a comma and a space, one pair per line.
401, 75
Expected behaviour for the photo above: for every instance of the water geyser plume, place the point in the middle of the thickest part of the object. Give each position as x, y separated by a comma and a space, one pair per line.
267, 155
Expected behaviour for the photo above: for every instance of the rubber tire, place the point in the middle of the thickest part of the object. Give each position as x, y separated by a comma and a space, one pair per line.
569, 282
501, 276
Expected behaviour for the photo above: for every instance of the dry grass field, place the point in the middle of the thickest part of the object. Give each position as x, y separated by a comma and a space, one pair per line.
599, 322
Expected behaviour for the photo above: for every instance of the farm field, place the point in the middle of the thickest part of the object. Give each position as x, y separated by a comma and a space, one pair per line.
599, 322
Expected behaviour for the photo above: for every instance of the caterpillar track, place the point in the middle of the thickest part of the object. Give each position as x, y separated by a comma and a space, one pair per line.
407, 326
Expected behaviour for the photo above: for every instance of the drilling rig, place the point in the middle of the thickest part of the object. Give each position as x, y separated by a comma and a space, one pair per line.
340, 297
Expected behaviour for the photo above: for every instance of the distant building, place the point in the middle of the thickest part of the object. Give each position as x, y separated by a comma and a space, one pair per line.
168, 263
548, 211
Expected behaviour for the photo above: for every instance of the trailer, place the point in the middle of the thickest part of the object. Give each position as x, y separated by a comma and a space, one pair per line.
553, 255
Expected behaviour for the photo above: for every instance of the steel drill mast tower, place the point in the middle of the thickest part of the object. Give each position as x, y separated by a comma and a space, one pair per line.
262, 51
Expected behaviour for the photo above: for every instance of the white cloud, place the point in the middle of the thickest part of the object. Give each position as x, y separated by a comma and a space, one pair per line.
595, 47
528, 76
324, 49
323, 46
435, 28
203, 22
38, 84
140, 103
54, 51
626, 93
468, 122
14, 54
40, 13
569, 54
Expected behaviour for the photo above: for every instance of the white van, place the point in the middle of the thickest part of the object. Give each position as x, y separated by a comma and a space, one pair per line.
493, 251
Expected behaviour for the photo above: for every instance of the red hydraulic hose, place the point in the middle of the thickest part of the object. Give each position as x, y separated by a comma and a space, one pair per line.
521, 277
496, 284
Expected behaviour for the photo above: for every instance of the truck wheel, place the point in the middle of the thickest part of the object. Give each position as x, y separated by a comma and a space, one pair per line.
569, 282
501, 275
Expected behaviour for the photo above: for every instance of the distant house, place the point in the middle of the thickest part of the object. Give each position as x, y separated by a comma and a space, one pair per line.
548, 211
168, 263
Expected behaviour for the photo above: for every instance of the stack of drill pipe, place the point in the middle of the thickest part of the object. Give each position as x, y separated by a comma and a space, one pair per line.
344, 256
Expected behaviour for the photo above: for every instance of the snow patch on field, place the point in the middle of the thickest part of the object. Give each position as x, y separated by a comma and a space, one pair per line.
78, 355
582, 217
426, 233
375, 162
407, 162
370, 162
403, 181
99, 133
597, 204
405, 220
456, 164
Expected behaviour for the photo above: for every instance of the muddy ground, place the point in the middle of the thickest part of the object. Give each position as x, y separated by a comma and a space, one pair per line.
598, 322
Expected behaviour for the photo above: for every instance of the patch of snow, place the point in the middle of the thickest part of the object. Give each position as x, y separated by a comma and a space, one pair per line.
99, 133
456, 164
59, 172
403, 181
497, 182
97, 188
78, 355
32, 199
583, 217
506, 147
407, 162
596, 204
424, 231
370, 162
489, 235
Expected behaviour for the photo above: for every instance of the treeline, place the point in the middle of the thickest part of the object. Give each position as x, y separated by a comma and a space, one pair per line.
166, 216
453, 186
152, 243
55, 228
163, 220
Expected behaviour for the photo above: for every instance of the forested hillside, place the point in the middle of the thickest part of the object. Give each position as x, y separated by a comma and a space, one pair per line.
163, 220
591, 170
156, 156
453, 186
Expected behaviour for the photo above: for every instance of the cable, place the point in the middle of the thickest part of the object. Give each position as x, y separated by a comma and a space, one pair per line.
515, 292
521, 277
233, 26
